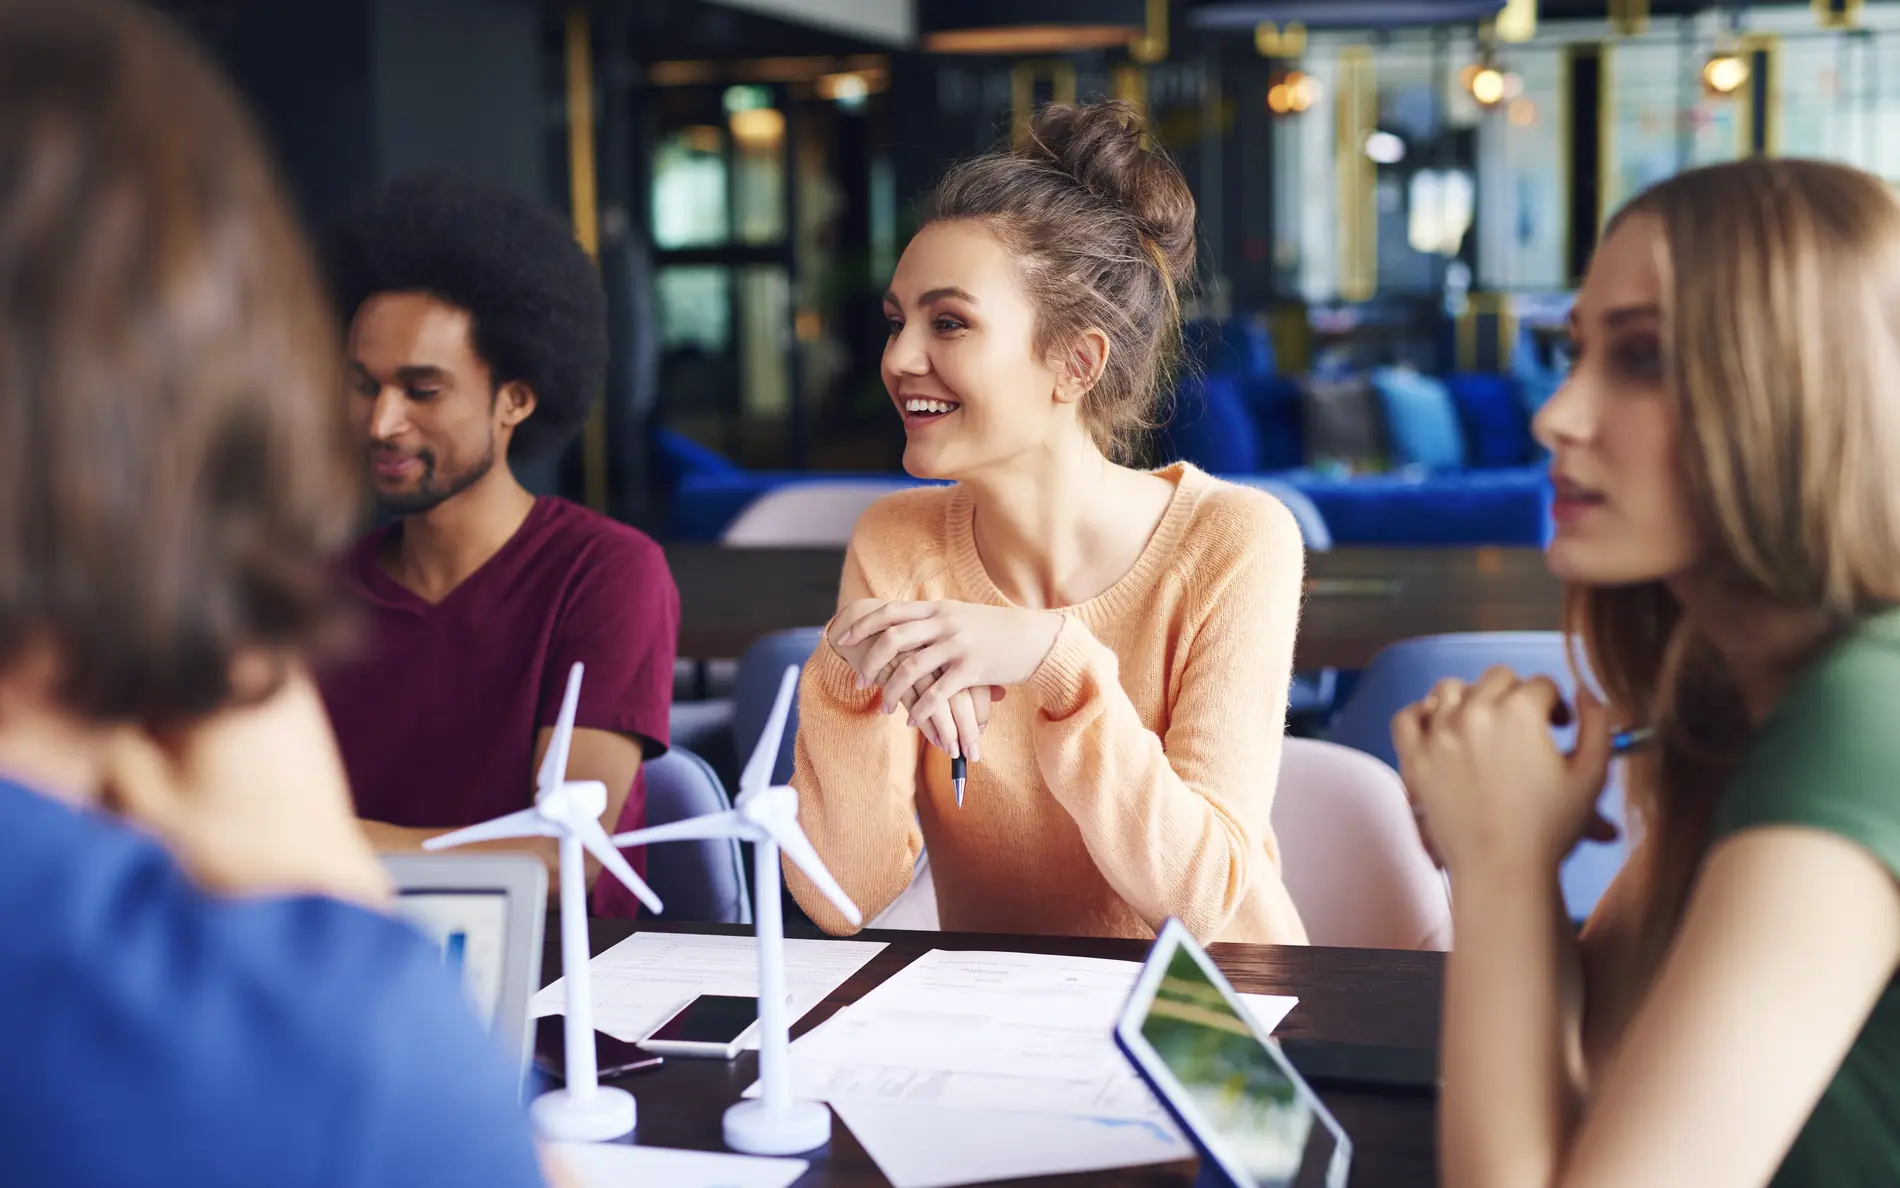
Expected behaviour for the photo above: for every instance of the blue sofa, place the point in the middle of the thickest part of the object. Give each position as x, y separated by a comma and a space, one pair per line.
1465, 470
1506, 506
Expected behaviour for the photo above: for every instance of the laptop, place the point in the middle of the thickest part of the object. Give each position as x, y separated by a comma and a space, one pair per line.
1255, 1121
486, 912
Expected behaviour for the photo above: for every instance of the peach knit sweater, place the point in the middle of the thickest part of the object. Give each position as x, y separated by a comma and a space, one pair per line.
1129, 780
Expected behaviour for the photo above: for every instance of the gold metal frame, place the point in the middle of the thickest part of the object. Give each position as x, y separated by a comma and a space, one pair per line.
1271, 41
1130, 84
1022, 91
1606, 130
1152, 45
584, 199
1478, 305
1847, 18
1290, 326
1356, 114
1566, 167
1768, 47
1629, 18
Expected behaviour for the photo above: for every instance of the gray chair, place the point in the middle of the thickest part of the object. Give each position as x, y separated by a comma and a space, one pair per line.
1406, 671
760, 670
701, 880
1312, 693
724, 731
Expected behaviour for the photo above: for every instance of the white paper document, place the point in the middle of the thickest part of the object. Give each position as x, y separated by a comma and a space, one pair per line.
1017, 1031
640, 982
616, 1165
965, 1067
918, 1147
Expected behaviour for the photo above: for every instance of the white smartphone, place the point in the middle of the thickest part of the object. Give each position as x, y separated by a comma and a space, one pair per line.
712, 1027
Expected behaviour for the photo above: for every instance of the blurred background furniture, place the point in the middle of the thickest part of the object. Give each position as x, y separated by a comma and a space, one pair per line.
1405, 672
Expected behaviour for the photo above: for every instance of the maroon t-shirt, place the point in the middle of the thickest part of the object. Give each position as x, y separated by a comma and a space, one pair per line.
437, 714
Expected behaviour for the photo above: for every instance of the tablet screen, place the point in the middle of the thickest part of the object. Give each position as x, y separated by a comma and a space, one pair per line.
1265, 1125
471, 927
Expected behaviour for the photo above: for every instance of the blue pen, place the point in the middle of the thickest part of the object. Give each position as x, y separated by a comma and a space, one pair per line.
1625, 741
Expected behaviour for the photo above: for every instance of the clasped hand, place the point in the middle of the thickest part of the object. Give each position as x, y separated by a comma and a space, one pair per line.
1485, 777
944, 662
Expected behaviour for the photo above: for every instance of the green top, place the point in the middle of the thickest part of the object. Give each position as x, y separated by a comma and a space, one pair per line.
1828, 758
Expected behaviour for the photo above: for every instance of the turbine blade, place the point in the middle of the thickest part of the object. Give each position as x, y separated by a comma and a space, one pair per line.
526, 823
758, 769
595, 839
554, 763
796, 846
726, 824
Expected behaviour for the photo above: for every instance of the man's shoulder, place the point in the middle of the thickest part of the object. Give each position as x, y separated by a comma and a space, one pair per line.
586, 546
573, 526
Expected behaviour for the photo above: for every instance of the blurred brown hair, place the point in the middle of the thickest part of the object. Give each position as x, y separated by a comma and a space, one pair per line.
175, 471
1781, 312
1101, 223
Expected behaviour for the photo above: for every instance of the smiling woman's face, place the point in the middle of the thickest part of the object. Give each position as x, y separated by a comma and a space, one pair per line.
1622, 509
960, 362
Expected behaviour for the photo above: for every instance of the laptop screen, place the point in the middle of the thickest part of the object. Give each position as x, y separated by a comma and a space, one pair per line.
1264, 1123
471, 927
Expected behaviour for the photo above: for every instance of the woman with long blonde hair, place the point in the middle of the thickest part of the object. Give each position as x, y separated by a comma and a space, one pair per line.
1731, 545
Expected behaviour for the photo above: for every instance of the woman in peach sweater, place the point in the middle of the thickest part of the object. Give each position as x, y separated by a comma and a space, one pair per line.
1108, 648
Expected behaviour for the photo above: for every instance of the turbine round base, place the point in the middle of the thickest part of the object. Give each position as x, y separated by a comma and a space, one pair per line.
787, 1130
606, 1113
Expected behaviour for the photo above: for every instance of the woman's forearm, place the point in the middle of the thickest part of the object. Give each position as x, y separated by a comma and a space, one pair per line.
1510, 1103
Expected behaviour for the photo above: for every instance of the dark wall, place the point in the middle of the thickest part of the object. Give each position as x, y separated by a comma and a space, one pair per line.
303, 66
459, 82
353, 92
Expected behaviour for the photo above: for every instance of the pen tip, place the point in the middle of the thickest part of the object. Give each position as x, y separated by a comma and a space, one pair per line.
959, 784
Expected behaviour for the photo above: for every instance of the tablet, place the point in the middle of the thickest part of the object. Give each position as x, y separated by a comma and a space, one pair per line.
1235, 1096
486, 912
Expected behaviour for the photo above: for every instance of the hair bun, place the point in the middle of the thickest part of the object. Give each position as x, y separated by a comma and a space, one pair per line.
1101, 146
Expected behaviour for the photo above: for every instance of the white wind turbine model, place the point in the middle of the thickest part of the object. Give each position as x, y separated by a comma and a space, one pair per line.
767, 816
586, 1110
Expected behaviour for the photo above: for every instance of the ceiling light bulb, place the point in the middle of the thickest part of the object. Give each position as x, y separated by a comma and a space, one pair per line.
1725, 73
1487, 86
1383, 148
1302, 90
760, 127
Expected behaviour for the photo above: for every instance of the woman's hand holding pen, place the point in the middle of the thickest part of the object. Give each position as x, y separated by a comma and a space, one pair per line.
955, 728
1487, 781
926, 655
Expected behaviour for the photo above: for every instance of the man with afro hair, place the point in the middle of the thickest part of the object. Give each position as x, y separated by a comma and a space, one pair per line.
477, 341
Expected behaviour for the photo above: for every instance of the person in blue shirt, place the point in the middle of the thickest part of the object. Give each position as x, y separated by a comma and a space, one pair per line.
201, 984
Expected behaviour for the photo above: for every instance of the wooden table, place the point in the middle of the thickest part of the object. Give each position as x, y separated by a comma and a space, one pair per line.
1351, 995
1357, 600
